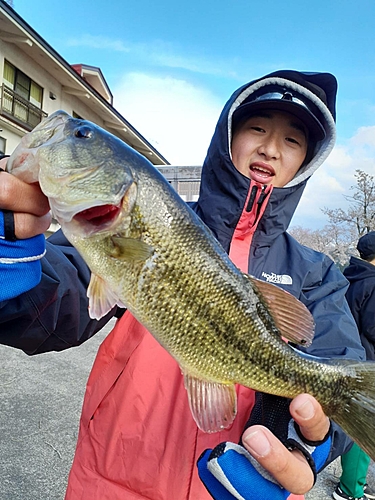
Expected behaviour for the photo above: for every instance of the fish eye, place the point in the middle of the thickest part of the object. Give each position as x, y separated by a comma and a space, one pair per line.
84, 132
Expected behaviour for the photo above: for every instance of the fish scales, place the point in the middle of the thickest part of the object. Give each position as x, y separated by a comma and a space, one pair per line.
204, 339
149, 252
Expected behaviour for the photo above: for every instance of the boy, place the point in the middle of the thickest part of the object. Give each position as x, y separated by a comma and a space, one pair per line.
137, 437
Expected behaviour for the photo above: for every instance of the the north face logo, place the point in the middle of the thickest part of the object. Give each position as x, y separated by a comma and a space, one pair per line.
283, 279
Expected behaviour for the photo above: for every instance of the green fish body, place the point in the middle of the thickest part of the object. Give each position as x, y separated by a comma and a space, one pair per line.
149, 252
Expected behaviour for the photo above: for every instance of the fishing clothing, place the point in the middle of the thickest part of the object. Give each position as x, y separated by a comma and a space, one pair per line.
20, 267
354, 464
137, 438
361, 299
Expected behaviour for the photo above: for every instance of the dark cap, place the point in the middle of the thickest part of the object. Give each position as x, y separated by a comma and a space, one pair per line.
280, 98
366, 245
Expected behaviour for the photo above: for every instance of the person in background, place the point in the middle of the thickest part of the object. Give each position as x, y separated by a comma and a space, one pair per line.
137, 438
361, 299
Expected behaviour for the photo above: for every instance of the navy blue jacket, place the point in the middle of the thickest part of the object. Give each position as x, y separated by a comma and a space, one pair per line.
361, 299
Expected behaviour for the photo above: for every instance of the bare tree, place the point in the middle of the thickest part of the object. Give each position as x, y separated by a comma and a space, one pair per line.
338, 239
360, 214
333, 240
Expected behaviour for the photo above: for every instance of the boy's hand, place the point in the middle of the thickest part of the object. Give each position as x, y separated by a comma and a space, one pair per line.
229, 472
289, 468
27, 202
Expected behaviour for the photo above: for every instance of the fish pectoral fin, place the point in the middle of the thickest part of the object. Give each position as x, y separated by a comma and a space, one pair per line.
292, 318
101, 297
212, 404
130, 249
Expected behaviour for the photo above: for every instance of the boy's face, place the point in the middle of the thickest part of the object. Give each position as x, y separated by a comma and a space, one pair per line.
270, 147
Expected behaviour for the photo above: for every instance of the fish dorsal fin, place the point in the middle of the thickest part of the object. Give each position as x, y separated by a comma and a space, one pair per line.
213, 405
292, 318
130, 249
101, 297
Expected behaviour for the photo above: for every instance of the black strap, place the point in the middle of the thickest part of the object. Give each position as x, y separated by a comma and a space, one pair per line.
9, 232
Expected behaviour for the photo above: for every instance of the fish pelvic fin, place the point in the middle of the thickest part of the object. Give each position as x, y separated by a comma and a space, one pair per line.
129, 249
357, 415
292, 318
212, 404
101, 297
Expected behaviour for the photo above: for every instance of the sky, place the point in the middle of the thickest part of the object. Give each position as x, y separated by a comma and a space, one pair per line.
172, 65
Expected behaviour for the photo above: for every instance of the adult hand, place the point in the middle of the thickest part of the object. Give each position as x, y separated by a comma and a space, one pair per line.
289, 468
264, 469
26, 201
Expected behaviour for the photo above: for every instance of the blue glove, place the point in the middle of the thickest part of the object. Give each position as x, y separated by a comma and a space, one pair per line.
229, 471
20, 267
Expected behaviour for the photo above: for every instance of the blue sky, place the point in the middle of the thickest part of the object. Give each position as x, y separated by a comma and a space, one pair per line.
171, 66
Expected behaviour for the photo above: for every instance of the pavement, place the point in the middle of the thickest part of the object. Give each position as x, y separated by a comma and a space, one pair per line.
40, 405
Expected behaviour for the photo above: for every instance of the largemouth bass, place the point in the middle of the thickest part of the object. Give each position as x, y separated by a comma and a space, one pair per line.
149, 252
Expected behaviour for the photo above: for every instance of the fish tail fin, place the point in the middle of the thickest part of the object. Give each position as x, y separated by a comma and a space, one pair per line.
357, 416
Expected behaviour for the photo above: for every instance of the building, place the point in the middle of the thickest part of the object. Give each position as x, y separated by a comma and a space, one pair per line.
184, 179
35, 81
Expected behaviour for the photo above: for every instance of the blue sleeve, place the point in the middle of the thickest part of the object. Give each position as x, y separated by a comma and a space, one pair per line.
229, 472
53, 315
20, 267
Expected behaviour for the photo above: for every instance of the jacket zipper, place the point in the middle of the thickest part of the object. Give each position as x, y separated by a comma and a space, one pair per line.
247, 224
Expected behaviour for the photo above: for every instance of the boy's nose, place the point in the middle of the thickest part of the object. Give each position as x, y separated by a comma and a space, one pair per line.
269, 149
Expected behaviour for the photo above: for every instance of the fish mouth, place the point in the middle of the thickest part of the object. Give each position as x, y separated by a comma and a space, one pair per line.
98, 218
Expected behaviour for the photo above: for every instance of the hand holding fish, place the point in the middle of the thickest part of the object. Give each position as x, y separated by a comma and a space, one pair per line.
27, 202
24, 217
290, 470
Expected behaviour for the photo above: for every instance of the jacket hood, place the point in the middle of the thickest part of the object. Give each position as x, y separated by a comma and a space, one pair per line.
359, 270
223, 189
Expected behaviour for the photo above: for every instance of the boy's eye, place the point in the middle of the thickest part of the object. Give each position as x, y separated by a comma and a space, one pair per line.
258, 129
291, 139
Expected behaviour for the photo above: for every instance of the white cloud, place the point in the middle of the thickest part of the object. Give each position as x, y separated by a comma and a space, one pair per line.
98, 42
177, 117
157, 53
365, 136
335, 178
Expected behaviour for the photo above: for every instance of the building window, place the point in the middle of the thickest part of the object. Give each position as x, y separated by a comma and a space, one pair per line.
3, 143
188, 190
21, 97
76, 115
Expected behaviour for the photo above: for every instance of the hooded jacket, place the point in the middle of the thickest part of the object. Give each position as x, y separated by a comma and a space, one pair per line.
251, 221
137, 438
361, 299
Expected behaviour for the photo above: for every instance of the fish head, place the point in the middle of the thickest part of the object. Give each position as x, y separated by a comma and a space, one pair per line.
83, 170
